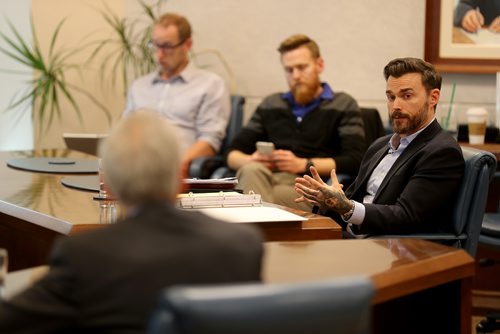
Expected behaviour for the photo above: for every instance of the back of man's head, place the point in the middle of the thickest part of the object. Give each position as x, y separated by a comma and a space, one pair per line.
141, 159
296, 41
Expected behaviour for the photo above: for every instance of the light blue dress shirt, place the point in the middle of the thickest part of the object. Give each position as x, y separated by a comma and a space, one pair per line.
196, 102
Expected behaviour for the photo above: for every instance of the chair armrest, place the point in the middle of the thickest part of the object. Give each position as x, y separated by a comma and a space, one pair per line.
448, 239
223, 172
202, 168
437, 236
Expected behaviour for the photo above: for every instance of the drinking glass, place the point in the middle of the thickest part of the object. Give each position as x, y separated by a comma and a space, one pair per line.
3, 270
103, 191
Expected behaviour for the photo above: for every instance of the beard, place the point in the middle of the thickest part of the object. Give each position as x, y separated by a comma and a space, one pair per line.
304, 93
413, 123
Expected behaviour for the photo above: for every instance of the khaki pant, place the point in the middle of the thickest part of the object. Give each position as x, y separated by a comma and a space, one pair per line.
277, 187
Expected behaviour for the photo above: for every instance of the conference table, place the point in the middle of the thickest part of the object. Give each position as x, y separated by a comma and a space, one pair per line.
416, 282
420, 286
36, 208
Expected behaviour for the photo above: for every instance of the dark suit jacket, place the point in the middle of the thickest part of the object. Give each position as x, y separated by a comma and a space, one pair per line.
418, 193
107, 281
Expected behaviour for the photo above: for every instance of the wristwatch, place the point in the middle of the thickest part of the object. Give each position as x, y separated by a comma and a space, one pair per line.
346, 216
309, 164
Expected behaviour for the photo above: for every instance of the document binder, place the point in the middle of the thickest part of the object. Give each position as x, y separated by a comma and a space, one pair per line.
218, 200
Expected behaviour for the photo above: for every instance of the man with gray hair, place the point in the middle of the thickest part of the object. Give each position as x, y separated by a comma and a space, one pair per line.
108, 280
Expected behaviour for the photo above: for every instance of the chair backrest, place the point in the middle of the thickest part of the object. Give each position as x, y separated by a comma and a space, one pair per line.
490, 229
472, 196
214, 167
341, 305
374, 128
235, 121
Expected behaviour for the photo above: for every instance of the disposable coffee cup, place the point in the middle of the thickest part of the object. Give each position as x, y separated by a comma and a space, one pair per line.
476, 120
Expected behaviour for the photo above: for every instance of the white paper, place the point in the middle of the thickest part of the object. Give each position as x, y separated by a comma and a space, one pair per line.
257, 214
484, 37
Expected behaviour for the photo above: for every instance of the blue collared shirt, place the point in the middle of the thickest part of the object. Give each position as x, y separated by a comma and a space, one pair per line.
195, 101
300, 110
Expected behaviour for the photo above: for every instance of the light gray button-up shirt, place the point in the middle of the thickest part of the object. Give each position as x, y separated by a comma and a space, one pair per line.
196, 102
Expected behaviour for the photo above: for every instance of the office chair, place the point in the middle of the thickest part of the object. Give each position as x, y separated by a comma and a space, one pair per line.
470, 204
340, 305
374, 128
490, 237
490, 230
204, 167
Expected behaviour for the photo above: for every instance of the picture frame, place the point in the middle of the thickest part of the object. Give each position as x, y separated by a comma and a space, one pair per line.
449, 56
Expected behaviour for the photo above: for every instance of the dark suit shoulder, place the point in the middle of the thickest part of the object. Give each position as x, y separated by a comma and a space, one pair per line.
378, 144
341, 102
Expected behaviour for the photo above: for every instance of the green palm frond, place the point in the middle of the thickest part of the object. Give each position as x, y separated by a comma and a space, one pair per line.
49, 86
126, 52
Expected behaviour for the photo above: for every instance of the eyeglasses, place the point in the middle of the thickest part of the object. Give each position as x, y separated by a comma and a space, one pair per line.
165, 47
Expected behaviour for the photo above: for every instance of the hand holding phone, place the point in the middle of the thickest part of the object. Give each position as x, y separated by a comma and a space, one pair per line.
264, 147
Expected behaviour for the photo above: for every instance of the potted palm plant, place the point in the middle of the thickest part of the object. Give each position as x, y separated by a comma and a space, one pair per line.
123, 55
47, 86
126, 53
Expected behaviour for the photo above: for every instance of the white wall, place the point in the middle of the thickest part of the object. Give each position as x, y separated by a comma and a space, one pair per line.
83, 24
356, 38
15, 126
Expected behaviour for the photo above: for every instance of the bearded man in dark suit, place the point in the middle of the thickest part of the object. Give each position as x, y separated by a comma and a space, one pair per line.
407, 181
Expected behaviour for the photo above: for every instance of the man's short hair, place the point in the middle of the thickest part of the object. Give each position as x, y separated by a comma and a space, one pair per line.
177, 20
296, 41
141, 159
431, 79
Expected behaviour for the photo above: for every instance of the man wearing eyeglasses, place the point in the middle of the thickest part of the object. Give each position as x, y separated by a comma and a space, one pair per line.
194, 100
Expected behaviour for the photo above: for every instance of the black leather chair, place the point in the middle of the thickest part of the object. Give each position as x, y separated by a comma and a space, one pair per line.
470, 204
203, 168
341, 305
374, 128
490, 230
490, 237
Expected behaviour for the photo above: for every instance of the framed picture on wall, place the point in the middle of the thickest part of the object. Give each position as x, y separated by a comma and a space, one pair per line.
451, 48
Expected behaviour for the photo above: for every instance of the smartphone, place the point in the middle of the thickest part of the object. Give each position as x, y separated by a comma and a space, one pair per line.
264, 147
